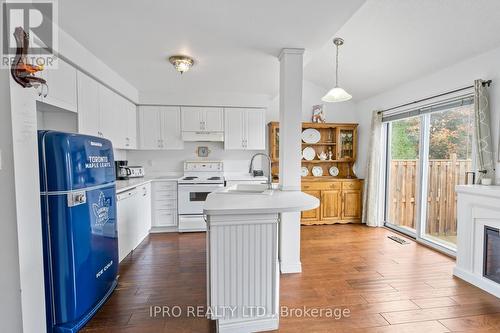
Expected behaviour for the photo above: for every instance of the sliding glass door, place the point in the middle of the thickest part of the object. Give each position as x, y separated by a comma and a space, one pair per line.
428, 154
448, 158
403, 170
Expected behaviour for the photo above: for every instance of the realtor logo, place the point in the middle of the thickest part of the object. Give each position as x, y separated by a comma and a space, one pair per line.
37, 18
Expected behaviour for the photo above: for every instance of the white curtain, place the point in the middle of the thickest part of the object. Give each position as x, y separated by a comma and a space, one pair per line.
482, 131
371, 195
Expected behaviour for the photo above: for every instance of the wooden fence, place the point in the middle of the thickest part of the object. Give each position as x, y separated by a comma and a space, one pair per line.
443, 175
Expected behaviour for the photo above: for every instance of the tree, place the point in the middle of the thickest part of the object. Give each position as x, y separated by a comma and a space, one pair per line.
450, 133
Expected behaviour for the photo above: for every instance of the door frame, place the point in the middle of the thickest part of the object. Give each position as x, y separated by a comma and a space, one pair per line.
422, 186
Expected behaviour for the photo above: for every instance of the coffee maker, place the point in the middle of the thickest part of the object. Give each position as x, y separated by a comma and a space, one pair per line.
121, 170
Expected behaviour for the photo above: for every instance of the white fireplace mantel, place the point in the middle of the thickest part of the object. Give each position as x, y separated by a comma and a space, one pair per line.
478, 206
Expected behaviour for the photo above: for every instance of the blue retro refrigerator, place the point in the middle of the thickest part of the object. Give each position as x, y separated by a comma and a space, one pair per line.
77, 180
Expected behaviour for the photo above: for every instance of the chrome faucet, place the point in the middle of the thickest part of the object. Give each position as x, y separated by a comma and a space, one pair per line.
269, 179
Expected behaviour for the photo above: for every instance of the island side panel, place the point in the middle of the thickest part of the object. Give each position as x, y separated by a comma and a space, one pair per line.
243, 273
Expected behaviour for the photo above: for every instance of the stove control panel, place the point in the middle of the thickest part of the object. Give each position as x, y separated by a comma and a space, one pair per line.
203, 166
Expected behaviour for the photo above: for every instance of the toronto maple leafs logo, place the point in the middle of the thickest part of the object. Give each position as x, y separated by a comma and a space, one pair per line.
101, 210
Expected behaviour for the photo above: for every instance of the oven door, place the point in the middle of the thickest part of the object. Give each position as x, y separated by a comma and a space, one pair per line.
192, 197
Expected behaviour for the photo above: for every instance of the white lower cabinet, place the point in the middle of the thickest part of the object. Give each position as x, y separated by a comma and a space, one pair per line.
126, 206
134, 218
144, 211
164, 205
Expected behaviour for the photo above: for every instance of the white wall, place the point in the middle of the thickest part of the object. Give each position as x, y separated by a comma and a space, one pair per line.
311, 95
484, 66
10, 289
193, 98
168, 161
72, 51
27, 195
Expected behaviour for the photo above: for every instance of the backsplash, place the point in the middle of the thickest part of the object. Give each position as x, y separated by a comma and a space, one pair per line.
157, 162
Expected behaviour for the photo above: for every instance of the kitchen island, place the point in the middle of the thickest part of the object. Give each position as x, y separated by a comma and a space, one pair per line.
242, 256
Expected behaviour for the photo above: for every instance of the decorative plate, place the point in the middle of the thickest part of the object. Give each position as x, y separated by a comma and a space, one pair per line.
304, 172
317, 171
308, 153
333, 171
311, 135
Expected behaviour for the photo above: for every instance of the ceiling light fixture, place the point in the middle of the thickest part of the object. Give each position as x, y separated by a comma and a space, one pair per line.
337, 94
181, 63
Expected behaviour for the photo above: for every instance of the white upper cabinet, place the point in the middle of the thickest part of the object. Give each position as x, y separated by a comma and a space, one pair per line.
202, 123
192, 119
160, 127
88, 105
104, 113
213, 120
110, 123
62, 89
234, 134
131, 115
245, 129
255, 129
149, 128
170, 119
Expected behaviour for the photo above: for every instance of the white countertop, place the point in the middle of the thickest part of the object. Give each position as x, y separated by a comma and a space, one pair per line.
278, 202
125, 185
485, 190
238, 176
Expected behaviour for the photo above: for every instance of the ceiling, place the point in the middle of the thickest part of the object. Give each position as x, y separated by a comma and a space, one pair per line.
235, 42
389, 42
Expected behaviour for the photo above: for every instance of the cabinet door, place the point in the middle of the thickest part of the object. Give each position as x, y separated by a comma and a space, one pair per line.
234, 129
164, 204
170, 120
127, 207
144, 211
110, 114
213, 120
313, 214
131, 115
62, 86
192, 119
149, 128
330, 205
351, 201
346, 143
255, 129
88, 105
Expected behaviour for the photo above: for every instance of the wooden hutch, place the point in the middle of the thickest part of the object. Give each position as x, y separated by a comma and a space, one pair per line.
341, 195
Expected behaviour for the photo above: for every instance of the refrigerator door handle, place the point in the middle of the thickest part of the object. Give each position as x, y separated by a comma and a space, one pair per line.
76, 198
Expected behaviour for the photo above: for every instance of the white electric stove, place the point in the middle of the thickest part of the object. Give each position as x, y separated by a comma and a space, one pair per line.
200, 179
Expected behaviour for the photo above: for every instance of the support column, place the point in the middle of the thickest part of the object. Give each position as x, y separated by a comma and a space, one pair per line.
291, 72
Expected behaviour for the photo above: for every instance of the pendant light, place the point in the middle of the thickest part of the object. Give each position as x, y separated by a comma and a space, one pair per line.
337, 94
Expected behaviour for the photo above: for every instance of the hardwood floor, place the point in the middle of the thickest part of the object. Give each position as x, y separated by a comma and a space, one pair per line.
387, 287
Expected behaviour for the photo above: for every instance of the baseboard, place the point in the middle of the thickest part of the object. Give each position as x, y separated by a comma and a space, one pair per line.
288, 268
247, 326
156, 230
478, 281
